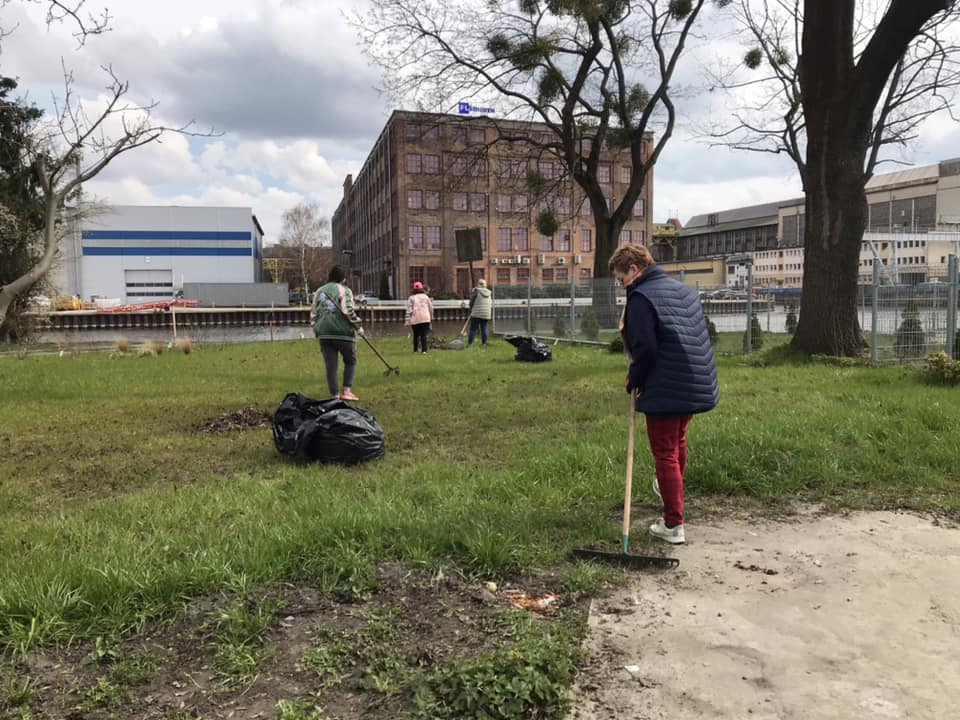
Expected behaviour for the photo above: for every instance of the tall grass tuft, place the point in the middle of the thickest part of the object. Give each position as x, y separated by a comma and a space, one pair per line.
184, 345
152, 347
121, 345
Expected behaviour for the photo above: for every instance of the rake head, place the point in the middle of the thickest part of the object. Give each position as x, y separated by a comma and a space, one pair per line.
626, 559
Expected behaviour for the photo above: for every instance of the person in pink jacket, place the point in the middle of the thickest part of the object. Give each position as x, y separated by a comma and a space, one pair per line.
419, 316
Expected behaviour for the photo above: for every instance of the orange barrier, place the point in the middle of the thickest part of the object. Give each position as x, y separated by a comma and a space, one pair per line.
158, 305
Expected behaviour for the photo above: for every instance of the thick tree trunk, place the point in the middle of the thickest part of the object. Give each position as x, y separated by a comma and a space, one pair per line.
604, 288
836, 219
839, 98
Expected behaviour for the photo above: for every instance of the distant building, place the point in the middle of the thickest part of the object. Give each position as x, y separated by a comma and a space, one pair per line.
139, 253
429, 175
731, 232
663, 243
913, 224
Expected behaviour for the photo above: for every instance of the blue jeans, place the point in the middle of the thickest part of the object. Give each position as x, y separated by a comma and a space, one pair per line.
474, 324
331, 350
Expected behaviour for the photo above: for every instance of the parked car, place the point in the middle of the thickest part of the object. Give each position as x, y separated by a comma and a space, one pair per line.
299, 298
364, 299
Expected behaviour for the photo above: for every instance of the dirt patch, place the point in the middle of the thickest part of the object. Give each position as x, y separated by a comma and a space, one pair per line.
832, 617
245, 419
413, 620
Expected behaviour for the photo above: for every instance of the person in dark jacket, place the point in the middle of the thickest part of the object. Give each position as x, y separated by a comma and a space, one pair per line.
672, 374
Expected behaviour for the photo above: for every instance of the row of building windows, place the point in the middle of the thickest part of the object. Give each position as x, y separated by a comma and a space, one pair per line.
427, 164
478, 135
777, 267
513, 202
429, 237
430, 276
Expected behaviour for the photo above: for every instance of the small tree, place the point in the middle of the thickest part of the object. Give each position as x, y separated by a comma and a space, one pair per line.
711, 330
384, 292
791, 324
67, 150
756, 335
305, 231
560, 325
589, 325
911, 340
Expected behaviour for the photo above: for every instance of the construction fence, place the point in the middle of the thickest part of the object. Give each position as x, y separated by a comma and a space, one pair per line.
901, 323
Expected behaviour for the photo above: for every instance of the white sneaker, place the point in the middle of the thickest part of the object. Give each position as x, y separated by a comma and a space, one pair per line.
672, 535
656, 488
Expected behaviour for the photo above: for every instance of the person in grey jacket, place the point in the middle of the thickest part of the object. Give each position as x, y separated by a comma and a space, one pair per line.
481, 310
672, 374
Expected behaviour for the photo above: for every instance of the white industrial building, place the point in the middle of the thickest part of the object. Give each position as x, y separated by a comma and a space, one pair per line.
139, 253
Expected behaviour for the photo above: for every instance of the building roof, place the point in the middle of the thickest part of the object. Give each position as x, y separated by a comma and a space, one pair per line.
736, 218
908, 176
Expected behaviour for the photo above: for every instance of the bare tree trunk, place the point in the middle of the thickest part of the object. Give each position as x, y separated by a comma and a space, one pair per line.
10, 291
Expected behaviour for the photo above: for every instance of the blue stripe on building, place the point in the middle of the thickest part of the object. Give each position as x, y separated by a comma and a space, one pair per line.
165, 235
156, 251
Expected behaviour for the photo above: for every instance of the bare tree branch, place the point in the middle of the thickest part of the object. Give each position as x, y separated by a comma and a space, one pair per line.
923, 82
73, 147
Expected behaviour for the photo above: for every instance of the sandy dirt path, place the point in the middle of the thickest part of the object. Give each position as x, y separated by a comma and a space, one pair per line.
854, 616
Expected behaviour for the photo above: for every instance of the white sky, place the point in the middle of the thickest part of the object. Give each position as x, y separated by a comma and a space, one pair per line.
288, 86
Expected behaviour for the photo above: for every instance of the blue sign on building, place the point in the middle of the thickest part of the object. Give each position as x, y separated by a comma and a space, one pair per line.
465, 108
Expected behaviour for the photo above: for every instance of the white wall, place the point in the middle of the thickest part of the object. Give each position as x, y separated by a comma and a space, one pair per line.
194, 244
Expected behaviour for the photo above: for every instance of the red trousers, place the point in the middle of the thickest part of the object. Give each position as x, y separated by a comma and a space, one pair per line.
668, 443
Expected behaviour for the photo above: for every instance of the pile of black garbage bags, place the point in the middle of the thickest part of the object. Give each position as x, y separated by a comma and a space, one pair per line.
529, 349
326, 430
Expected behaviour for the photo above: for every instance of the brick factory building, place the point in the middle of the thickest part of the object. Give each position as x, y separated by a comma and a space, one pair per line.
429, 175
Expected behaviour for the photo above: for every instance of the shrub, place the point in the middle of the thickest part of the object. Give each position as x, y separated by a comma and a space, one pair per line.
616, 345
910, 341
756, 335
184, 345
939, 368
711, 329
122, 345
589, 325
560, 325
791, 324
152, 347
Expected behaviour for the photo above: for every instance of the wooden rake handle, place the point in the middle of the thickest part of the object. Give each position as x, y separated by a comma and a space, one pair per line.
628, 492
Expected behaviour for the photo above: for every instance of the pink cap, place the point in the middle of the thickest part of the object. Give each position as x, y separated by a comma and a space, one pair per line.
418, 285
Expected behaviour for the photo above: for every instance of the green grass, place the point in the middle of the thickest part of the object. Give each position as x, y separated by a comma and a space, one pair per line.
121, 509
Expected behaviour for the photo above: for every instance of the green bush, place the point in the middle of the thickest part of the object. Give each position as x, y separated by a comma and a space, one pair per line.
616, 345
939, 368
791, 324
756, 335
911, 340
711, 330
560, 325
589, 325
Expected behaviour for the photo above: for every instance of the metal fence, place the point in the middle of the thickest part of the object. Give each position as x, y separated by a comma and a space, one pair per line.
900, 323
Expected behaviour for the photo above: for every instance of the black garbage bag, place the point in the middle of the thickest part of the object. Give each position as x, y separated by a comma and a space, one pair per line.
529, 349
326, 430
